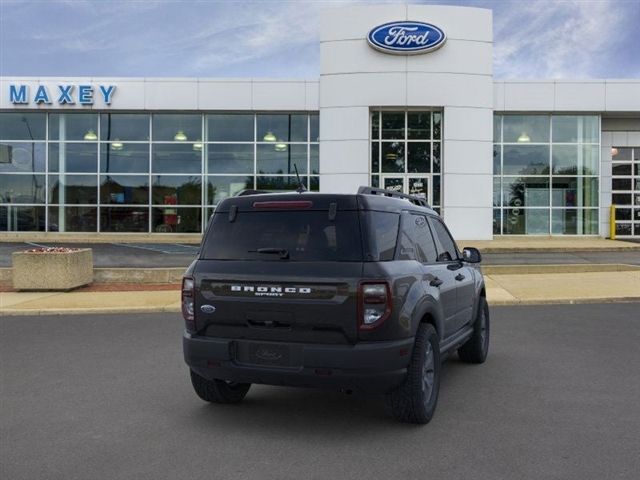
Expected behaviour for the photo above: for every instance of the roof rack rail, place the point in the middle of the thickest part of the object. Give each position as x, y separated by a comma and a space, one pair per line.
250, 191
389, 193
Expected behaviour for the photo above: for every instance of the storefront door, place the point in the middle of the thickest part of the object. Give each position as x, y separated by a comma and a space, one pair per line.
417, 185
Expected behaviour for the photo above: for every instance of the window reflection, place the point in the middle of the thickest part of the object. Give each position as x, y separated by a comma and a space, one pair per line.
175, 220
392, 157
73, 126
230, 128
22, 188
124, 127
525, 191
175, 158
419, 157
419, 125
525, 129
119, 157
73, 219
575, 129
22, 126
281, 160
73, 157
576, 159
221, 187
282, 127
22, 218
392, 124
230, 158
177, 128
22, 157
277, 183
124, 219
73, 189
124, 189
176, 190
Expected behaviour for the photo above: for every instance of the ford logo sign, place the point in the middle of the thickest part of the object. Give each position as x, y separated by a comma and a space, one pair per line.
406, 38
208, 308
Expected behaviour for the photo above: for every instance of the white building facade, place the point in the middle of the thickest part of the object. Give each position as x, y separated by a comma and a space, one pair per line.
530, 157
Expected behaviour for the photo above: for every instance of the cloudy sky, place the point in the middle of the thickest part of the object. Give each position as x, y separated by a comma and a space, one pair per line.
185, 38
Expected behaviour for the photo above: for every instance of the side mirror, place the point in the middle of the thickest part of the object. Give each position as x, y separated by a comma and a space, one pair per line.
471, 255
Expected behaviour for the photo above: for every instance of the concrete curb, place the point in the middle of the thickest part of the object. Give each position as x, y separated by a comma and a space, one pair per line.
122, 275
576, 249
557, 268
87, 311
563, 301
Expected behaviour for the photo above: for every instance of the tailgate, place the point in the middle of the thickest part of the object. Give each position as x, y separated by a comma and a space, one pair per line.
278, 301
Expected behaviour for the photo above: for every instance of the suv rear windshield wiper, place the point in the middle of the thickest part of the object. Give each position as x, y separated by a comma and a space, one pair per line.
283, 252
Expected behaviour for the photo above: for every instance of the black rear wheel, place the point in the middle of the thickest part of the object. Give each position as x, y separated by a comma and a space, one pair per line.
416, 399
218, 391
475, 350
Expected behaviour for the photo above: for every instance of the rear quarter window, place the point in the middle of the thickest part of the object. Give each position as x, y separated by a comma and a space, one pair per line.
382, 235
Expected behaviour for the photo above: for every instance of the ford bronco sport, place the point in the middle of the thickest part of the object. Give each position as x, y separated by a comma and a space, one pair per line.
363, 291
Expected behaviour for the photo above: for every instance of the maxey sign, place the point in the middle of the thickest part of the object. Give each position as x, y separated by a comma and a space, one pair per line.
60, 94
406, 38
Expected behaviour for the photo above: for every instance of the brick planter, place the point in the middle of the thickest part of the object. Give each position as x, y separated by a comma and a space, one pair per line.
52, 269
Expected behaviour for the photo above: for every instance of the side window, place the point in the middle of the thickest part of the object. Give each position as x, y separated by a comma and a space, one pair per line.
407, 250
424, 241
447, 251
416, 242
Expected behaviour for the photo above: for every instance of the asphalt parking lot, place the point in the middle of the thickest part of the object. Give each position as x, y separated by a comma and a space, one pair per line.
108, 397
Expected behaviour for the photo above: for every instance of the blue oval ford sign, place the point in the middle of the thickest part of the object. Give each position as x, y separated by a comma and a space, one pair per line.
406, 37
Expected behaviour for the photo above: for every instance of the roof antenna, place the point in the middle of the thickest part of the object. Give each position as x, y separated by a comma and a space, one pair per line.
301, 188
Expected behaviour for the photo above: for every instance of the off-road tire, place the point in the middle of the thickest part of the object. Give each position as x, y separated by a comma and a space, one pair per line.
218, 391
413, 402
475, 349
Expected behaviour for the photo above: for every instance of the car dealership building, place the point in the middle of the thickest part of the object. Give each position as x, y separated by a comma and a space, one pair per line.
406, 100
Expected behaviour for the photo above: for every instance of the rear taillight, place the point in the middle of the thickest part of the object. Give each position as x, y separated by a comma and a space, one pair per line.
188, 305
374, 304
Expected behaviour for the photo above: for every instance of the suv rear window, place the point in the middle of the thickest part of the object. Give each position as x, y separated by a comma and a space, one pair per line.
304, 235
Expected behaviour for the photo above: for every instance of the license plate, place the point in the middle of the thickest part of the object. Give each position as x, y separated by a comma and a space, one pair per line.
269, 354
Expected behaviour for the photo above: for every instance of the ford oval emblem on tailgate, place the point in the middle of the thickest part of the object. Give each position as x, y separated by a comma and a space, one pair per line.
208, 308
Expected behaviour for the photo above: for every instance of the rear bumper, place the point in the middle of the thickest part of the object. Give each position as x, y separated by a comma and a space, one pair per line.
374, 367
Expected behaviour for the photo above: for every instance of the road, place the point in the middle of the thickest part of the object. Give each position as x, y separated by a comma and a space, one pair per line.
107, 397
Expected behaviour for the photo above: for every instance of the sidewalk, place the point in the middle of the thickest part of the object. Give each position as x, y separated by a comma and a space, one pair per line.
502, 289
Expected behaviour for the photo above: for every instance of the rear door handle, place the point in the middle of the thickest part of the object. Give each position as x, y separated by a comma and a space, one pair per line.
436, 282
460, 277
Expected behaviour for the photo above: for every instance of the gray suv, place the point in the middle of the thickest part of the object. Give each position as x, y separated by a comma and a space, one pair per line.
363, 292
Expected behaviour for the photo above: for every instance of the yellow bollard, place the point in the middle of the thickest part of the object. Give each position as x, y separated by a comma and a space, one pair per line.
612, 222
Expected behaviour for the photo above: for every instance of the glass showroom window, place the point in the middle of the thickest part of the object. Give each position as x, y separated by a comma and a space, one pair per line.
546, 174
246, 151
406, 152
140, 172
22, 171
625, 185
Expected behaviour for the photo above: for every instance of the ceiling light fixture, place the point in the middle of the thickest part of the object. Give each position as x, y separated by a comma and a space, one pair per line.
280, 147
269, 137
198, 145
523, 138
116, 145
90, 136
180, 136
